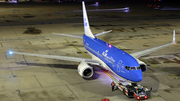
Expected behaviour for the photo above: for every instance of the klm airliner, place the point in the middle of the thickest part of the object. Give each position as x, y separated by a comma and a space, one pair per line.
124, 65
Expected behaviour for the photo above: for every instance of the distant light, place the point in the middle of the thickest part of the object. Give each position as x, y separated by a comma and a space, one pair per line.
13, 1
126, 10
175, 43
109, 46
96, 4
10, 52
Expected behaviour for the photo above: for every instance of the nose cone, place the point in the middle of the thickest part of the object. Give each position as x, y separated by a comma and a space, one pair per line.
137, 76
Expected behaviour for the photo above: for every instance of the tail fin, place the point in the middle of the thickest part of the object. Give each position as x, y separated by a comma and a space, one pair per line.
87, 29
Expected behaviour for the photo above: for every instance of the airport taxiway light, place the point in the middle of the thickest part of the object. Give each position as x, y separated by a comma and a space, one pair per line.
10, 52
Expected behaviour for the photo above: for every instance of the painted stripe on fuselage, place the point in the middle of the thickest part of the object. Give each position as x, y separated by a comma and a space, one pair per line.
110, 56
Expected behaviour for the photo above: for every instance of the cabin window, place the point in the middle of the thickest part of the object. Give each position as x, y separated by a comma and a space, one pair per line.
138, 68
127, 67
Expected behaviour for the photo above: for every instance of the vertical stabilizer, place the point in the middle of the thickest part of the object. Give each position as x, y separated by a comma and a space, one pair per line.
87, 29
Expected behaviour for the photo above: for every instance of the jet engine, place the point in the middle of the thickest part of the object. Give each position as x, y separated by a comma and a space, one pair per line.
142, 65
85, 70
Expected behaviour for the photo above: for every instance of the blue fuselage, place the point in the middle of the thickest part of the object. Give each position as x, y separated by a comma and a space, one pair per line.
117, 60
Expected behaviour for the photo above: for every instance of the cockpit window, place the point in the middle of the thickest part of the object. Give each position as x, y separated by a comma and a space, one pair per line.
132, 68
138, 68
127, 67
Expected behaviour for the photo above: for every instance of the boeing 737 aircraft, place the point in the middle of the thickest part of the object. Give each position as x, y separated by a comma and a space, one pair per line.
124, 65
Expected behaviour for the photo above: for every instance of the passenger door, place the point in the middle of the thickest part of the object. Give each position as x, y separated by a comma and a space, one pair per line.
119, 66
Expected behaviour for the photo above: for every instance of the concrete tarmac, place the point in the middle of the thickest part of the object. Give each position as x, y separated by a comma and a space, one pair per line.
28, 28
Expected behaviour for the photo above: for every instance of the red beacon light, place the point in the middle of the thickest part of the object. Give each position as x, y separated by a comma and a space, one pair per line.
138, 98
109, 45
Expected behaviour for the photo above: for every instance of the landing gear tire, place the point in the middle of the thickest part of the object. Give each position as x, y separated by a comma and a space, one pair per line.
116, 88
124, 92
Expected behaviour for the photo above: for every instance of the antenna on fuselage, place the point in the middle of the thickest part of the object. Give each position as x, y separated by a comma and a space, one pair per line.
87, 29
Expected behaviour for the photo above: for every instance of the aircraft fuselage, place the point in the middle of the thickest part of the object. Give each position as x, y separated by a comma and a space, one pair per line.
115, 59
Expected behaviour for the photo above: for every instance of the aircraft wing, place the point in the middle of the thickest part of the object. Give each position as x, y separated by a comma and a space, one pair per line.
76, 36
147, 51
74, 59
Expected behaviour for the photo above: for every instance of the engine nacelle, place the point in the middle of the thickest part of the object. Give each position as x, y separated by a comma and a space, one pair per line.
142, 65
85, 70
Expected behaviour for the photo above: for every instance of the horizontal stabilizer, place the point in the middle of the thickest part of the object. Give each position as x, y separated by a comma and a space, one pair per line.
105, 32
75, 36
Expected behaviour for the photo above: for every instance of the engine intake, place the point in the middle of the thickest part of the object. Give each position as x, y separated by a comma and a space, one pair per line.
85, 70
142, 65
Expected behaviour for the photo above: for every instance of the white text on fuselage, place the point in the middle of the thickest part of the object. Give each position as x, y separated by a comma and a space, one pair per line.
105, 55
110, 60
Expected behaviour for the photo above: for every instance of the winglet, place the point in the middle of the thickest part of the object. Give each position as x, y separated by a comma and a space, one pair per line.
174, 38
87, 29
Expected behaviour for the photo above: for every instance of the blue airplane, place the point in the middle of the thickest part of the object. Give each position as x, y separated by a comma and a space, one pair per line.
124, 65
